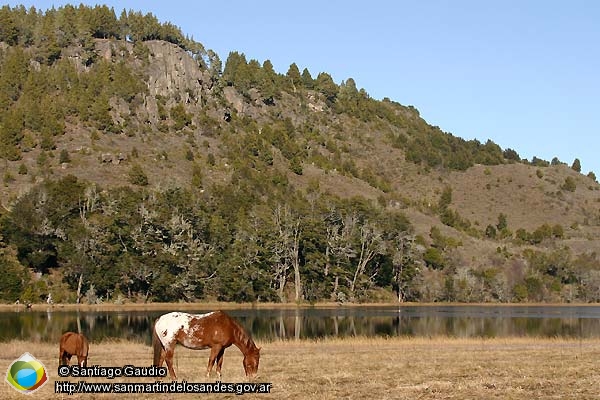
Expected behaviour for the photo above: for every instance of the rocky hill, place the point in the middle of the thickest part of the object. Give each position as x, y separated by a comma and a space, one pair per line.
145, 169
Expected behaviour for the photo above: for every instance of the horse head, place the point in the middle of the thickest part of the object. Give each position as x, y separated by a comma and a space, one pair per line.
251, 360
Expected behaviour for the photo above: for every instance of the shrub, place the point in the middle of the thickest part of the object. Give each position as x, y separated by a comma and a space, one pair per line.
434, 258
210, 159
8, 177
490, 231
558, 231
592, 176
569, 184
520, 292
189, 155
137, 176
180, 117
64, 157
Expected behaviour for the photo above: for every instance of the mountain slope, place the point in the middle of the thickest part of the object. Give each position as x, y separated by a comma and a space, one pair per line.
141, 168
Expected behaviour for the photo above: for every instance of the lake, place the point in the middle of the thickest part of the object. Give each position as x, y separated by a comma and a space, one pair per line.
318, 322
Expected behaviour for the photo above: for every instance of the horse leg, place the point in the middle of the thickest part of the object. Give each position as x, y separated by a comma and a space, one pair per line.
169, 360
220, 362
214, 352
161, 360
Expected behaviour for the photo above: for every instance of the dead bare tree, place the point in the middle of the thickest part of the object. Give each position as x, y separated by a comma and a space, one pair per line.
371, 244
288, 246
339, 246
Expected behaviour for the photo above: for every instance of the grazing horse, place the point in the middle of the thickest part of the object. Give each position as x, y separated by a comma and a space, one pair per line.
216, 330
73, 344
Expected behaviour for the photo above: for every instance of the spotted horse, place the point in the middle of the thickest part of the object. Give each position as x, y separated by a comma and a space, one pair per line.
215, 330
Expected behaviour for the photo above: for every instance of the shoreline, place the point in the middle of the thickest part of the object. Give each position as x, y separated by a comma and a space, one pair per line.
233, 306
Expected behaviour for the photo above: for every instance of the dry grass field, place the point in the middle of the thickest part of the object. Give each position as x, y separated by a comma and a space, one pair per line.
361, 368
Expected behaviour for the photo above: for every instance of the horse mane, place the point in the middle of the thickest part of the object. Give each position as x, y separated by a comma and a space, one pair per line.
242, 338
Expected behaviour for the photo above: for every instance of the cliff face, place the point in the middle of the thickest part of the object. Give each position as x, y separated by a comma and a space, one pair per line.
168, 71
173, 73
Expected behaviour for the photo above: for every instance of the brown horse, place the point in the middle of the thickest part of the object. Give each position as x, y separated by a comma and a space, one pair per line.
216, 330
73, 344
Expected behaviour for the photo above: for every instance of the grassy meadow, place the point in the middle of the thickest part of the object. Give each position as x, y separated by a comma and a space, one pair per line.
361, 368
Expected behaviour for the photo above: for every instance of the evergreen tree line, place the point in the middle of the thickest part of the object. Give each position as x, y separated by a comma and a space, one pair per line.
187, 245
55, 29
117, 244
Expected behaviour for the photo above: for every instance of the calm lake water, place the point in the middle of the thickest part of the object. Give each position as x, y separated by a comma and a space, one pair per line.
270, 324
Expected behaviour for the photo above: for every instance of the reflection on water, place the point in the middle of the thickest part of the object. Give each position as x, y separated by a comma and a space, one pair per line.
270, 324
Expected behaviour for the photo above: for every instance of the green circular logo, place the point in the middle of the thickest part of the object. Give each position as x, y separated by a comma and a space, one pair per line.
26, 374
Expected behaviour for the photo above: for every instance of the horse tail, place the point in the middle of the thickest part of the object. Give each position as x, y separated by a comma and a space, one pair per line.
157, 345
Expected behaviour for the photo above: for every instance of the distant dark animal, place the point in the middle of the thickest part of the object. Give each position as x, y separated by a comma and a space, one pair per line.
215, 330
73, 344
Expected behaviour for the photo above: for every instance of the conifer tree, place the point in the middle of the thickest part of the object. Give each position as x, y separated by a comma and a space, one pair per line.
307, 79
9, 33
215, 66
324, 84
14, 67
234, 68
268, 82
294, 79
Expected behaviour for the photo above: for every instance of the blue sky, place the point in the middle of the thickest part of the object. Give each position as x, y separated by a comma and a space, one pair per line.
525, 74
